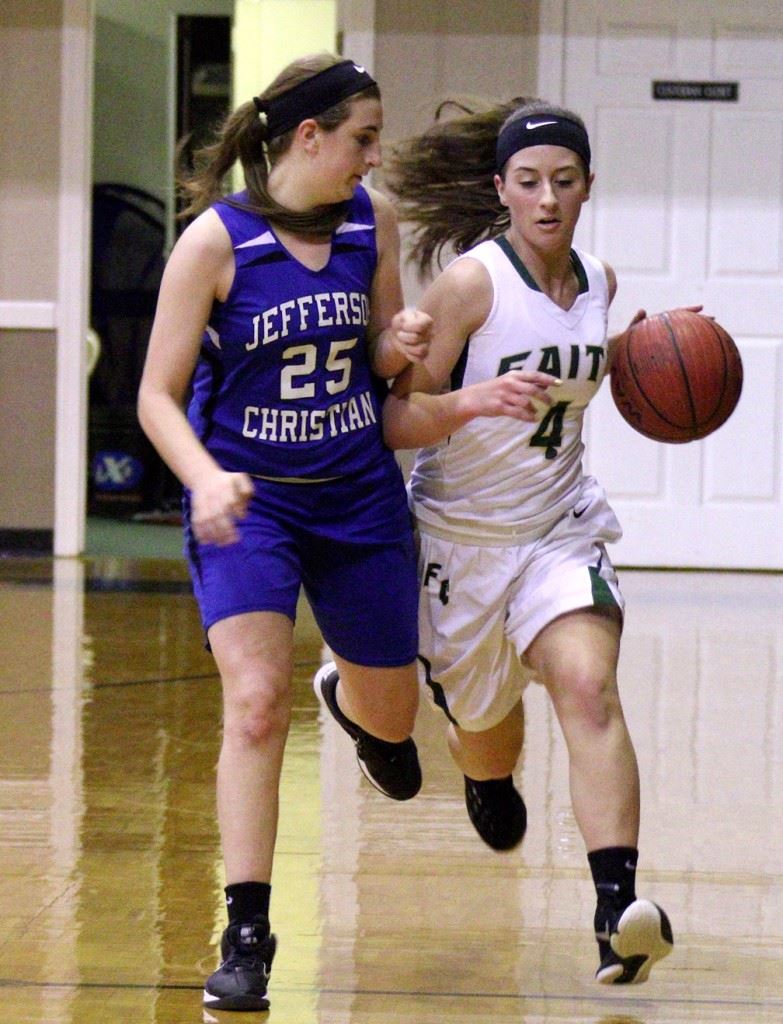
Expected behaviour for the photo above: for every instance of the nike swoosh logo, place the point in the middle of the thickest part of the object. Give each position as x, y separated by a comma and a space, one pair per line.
579, 512
360, 68
538, 124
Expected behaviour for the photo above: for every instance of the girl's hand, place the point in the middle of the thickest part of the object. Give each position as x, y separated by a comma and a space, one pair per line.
218, 502
411, 334
641, 314
696, 309
518, 393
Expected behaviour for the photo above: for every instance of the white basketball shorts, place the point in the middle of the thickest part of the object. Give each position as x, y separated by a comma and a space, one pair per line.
480, 607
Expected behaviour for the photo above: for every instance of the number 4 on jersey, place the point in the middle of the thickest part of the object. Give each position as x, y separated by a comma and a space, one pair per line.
550, 430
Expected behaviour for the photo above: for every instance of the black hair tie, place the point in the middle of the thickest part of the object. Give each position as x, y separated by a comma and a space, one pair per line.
262, 106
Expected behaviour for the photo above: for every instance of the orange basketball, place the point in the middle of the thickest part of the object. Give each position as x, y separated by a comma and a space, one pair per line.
676, 376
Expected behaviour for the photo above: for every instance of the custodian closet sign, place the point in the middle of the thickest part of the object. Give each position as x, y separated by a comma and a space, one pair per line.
726, 92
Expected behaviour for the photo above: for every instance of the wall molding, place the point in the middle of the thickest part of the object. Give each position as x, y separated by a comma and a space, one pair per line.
356, 24
75, 159
28, 316
551, 40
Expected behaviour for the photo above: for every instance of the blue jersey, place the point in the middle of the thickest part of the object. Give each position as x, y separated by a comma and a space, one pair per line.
283, 386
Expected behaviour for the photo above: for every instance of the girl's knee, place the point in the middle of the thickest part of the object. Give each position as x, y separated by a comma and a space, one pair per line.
589, 695
257, 725
255, 714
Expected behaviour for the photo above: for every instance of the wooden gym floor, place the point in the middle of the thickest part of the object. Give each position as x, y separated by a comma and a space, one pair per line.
110, 872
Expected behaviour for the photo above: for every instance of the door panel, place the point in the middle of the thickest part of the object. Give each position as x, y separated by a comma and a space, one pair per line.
687, 209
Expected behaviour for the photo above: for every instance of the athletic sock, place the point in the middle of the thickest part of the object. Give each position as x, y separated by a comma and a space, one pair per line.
614, 875
247, 900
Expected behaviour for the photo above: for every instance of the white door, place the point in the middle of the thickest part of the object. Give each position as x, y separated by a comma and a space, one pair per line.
687, 207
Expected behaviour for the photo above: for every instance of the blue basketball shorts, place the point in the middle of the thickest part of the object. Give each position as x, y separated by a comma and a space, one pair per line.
358, 571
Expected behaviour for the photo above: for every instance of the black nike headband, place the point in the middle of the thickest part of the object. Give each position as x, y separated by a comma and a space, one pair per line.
541, 130
313, 96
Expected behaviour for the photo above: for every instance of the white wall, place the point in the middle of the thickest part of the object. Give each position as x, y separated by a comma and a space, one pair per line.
425, 51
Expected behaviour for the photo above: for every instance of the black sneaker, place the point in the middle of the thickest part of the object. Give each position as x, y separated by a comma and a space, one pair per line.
497, 811
631, 941
393, 768
241, 980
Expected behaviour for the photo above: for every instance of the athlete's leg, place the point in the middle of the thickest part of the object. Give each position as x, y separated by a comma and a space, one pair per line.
254, 655
383, 701
492, 753
487, 760
575, 657
376, 706
365, 597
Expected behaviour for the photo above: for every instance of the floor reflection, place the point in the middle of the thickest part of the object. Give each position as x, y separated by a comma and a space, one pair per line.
111, 878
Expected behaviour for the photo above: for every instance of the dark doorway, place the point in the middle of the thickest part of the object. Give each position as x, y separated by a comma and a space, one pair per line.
127, 479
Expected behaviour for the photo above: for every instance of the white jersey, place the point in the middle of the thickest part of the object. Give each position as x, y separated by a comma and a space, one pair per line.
499, 480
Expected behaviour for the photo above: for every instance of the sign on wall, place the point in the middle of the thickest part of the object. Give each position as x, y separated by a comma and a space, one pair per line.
726, 92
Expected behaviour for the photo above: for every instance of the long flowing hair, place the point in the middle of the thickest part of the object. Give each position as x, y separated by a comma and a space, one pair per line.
242, 137
443, 179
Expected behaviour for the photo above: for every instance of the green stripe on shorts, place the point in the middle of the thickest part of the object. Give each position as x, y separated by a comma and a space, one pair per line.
602, 594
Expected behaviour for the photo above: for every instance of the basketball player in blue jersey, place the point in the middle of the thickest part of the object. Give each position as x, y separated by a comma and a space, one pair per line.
282, 306
516, 582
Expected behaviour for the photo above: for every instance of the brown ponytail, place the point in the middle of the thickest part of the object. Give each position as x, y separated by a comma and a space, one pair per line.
242, 138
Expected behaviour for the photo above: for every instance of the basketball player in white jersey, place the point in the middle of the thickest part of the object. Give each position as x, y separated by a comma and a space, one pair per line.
516, 582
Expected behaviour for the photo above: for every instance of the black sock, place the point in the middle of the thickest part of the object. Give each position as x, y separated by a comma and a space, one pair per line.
247, 900
614, 875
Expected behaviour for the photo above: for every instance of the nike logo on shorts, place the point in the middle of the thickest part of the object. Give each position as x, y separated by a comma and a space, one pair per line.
579, 512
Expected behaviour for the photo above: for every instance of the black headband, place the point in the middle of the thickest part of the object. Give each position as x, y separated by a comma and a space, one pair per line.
541, 130
313, 96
